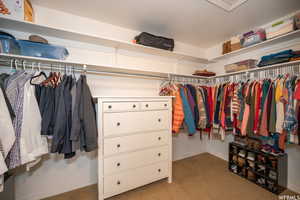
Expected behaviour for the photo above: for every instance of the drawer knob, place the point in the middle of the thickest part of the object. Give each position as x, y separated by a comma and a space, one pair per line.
159, 138
118, 145
119, 182
134, 106
118, 164
166, 105
118, 124
159, 170
159, 120
109, 107
147, 105
159, 154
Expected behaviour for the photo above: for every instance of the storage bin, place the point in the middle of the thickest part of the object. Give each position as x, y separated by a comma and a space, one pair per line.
252, 37
239, 66
36, 49
280, 28
8, 44
226, 47
235, 43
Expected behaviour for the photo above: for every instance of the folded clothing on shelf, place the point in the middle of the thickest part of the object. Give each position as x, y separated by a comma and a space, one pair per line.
280, 57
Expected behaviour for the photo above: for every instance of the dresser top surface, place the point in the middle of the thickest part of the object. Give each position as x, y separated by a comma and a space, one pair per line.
133, 97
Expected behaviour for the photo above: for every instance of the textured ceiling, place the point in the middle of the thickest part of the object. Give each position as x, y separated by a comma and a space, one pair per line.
196, 22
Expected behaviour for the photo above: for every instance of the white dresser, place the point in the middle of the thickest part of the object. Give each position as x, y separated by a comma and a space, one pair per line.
135, 142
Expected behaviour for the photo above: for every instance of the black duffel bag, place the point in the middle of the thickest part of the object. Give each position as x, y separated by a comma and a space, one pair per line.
148, 39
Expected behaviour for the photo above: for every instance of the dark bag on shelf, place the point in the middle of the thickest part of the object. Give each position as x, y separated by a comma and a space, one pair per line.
297, 20
148, 39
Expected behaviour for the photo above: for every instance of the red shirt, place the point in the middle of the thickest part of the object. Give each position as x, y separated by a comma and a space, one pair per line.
297, 91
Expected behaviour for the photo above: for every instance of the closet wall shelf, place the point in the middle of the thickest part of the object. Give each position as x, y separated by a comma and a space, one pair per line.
45, 30
91, 69
259, 69
276, 40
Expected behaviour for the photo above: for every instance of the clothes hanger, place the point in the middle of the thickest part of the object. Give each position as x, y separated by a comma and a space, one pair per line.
41, 74
12, 69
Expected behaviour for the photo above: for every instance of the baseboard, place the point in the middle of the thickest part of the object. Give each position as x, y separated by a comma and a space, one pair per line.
187, 155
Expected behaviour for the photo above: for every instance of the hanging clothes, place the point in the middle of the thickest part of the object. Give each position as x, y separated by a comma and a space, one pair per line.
15, 93
188, 114
6, 140
32, 144
178, 113
8, 104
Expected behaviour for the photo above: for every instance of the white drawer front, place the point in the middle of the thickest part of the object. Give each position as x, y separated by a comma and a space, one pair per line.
131, 179
135, 142
155, 105
132, 122
117, 164
121, 106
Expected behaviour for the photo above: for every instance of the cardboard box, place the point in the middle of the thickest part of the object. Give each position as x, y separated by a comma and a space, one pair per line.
280, 28
13, 9
239, 66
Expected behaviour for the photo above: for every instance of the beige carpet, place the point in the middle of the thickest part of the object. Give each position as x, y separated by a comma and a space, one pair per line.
203, 177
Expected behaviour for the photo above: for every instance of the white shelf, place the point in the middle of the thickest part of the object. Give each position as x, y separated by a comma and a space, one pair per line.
189, 76
25, 26
276, 40
108, 69
259, 69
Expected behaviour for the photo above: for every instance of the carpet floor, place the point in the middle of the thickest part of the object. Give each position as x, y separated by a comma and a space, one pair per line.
203, 177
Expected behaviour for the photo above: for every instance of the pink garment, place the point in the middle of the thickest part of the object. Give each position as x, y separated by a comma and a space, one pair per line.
246, 115
264, 122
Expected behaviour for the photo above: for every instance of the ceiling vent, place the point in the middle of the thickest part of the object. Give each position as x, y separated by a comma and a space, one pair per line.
227, 5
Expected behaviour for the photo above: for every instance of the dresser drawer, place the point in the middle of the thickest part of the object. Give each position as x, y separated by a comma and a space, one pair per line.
115, 124
121, 106
131, 179
135, 142
117, 164
153, 105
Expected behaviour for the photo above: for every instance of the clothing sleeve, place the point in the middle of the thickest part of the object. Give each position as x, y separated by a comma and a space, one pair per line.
88, 117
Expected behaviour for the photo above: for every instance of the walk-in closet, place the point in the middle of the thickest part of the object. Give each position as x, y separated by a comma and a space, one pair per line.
149, 100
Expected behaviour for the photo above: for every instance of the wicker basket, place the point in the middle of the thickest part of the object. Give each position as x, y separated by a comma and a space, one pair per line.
28, 11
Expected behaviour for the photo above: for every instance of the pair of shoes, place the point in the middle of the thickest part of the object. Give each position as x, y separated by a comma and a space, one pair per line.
261, 181
251, 156
273, 175
242, 153
261, 169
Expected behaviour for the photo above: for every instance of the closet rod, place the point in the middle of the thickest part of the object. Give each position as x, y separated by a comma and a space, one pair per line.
258, 69
48, 64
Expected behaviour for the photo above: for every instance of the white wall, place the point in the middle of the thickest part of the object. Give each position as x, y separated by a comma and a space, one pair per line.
55, 175
220, 149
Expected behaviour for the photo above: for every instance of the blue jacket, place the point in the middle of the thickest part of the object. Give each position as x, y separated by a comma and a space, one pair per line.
188, 115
